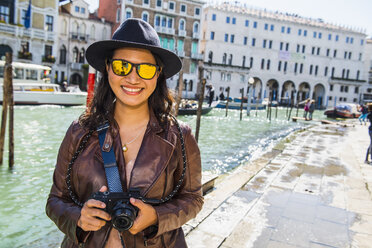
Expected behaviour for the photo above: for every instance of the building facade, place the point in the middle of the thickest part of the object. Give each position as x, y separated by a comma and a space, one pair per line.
367, 91
28, 30
288, 56
77, 30
178, 24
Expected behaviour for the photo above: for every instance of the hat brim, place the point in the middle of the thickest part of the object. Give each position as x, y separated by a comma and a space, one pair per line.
97, 53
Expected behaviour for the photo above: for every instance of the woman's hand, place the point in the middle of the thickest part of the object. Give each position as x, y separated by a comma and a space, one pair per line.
90, 214
146, 216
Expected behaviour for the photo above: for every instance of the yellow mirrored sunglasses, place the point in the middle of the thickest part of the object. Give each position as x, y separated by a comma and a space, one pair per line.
122, 67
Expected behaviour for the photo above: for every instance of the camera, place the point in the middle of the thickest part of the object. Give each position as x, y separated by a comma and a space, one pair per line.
122, 212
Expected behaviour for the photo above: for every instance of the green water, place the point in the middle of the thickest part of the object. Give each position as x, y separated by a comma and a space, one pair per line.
224, 142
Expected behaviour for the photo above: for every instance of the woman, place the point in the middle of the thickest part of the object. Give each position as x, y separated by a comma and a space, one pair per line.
133, 98
307, 108
369, 117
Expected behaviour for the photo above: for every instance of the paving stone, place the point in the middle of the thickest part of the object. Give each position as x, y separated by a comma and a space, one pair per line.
332, 214
329, 233
292, 232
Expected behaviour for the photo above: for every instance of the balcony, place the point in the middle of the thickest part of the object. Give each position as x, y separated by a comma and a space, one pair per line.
76, 66
341, 80
195, 35
48, 59
21, 31
180, 53
197, 56
170, 31
25, 55
182, 33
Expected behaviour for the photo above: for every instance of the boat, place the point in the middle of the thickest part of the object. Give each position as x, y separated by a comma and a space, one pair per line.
31, 86
190, 107
345, 110
236, 105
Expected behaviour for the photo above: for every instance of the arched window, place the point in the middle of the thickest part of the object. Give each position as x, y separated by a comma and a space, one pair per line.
82, 56
93, 32
75, 55
145, 16
128, 13
210, 57
182, 24
224, 57
62, 55
196, 28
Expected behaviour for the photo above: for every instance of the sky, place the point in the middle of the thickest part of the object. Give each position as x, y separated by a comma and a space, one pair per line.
351, 13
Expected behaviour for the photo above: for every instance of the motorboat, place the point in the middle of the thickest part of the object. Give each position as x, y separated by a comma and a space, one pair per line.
190, 107
344, 110
31, 86
236, 105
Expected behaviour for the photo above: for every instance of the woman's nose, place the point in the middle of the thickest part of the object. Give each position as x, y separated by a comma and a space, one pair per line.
133, 77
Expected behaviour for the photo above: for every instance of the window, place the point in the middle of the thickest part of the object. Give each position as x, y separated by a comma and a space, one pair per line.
266, 27
243, 62
264, 43
213, 17
145, 2
233, 20
82, 10
254, 42
360, 56
48, 51
314, 34
356, 90
318, 51
23, 16
301, 68
346, 89
232, 38
227, 19
182, 24
272, 27
361, 42
316, 70
251, 62
305, 33
226, 37
285, 66
197, 11
268, 65
336, 37
295, 68
170, 25
77, 9
342, 88
262, 64
347, 39
333, 72
303, 48
311, 69
172, 6
328, 51
118, 15
279, 65
312, 50
230, 59
158, 3
299, 32
329, 36
331, 88
210, 57
298, 48
287, 46
49, 23
326, 71
288, 30
345, 55
320, 35
196, 28
163, 21
128, 13
245, 40
335, 53
270, 44
212, 35
281, 46
4, 14
157, 21
25, 46
246, 23
254, 24
183, 8
283, 29
224, 57
351, 40
145, 16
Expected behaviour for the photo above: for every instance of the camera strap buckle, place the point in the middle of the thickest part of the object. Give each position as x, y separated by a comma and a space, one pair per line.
109, 161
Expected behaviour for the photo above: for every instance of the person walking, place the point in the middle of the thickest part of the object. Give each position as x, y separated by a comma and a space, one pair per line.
364, 112
311, 109
149, 151
307, 108
210, 94
369, 117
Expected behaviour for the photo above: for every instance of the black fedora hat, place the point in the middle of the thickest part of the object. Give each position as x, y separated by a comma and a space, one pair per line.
133, 33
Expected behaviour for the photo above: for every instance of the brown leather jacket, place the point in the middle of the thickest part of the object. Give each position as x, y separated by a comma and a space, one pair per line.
156, 171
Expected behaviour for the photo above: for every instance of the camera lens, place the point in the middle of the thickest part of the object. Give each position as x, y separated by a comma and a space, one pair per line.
123, 216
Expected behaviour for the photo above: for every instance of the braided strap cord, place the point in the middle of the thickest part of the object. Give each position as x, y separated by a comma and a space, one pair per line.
69, 170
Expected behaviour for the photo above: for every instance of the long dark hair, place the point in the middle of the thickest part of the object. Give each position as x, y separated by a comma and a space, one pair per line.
102, 108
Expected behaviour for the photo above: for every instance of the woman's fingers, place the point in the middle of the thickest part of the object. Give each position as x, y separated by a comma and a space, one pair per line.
93, 217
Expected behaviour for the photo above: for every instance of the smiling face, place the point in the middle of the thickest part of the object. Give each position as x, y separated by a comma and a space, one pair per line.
131, 90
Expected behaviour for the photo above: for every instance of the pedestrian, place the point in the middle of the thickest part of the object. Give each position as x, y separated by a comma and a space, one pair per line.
210, 94
140, 145
307, 108
364, 112
369, 117
222, 96
311, 109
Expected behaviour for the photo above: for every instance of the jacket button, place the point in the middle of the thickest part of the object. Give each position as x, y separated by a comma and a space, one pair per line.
107, 146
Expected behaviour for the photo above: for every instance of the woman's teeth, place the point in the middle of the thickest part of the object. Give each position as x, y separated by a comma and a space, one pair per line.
131, 89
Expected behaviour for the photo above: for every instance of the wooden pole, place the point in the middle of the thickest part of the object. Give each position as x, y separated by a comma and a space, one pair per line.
179, 95
7, 75
199, 111
11, 112
241, 103
227, 100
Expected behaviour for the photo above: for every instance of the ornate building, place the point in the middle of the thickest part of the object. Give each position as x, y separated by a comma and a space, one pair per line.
288, 56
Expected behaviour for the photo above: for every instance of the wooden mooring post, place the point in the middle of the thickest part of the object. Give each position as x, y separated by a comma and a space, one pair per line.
199, 111
227, 100
8, 102
241, 103
180, 89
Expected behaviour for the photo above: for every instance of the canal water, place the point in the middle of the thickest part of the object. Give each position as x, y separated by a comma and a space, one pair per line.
225, 142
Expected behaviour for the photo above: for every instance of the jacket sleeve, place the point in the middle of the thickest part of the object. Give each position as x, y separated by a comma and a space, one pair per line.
187, 203
60, 208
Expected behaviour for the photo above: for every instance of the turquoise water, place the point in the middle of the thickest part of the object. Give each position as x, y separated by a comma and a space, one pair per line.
224, 142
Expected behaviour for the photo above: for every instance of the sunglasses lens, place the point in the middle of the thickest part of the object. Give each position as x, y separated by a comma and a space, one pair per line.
121, 68
146, 71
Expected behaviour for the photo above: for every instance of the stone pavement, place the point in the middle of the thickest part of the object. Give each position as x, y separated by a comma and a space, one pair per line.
313, 190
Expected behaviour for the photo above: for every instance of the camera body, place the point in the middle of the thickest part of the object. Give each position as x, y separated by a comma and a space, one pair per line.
122, 212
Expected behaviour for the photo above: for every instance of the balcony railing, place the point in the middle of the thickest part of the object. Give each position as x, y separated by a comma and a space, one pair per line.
195, 35
20, 31
197, 56
48, 59
180, 53
25, 55
182, 33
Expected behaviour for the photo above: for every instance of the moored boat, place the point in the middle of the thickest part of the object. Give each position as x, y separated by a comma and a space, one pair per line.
345, 110
236, 105
31, 86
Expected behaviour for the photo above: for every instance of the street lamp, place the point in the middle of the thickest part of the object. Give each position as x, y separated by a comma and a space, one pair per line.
250, 83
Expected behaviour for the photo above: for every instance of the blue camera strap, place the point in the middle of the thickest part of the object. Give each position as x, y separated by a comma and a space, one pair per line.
109, 161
